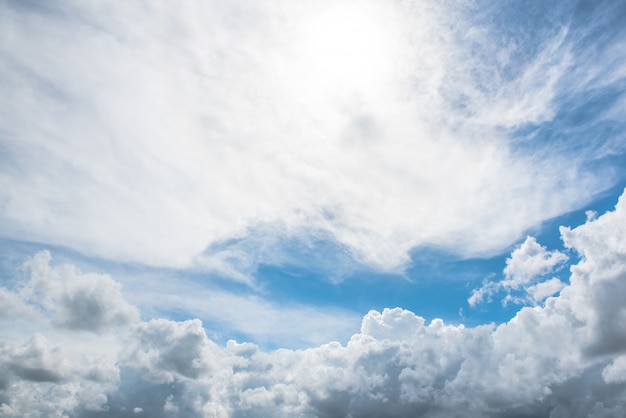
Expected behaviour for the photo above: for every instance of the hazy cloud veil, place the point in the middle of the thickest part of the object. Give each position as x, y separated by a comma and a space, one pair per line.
210, 138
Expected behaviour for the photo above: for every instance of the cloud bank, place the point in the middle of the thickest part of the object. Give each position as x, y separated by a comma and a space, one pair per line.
562, 358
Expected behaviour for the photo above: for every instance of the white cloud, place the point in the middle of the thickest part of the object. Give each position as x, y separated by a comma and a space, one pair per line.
77, 301
616, 371
393, 324
541, 291
146, 133
597, 282
40, 378
12, 306
529, 261
488, 289
565, 358
36, 361
528, 264
166, 350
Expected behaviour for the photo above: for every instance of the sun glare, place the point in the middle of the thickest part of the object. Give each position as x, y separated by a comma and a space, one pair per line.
348, 49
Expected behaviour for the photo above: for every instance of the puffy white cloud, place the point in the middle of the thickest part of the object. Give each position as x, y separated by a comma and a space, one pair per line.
597, 282
616, 371
528, 264
36, 360
40, 378
12, 306
486, 291
541, 291
392, 324
166, 350
77, 301
529, 261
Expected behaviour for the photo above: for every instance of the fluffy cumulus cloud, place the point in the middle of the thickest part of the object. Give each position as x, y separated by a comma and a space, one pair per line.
529, 261
41, 379
76, 301
524, 275
168, 351
561, 358
149, 132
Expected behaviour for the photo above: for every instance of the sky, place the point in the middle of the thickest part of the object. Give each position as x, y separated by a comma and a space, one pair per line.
277, 208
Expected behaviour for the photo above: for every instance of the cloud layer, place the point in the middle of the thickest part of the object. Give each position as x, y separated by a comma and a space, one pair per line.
148, 132
563, 358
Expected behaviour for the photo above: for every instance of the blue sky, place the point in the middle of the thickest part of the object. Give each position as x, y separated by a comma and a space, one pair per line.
334, 208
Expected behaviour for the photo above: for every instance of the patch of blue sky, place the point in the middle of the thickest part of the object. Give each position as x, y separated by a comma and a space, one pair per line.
606, 18
272, 244
579, 112
436, 284
519, 31
320, 272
